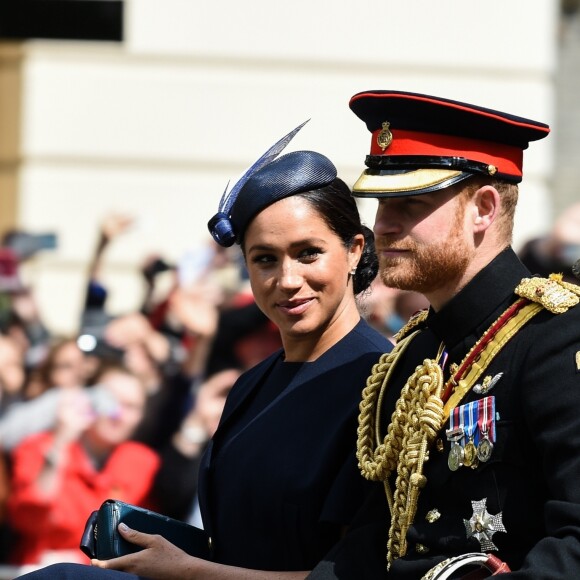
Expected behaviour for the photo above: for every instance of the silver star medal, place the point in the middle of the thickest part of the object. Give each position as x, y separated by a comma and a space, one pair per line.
487, 384
482, 525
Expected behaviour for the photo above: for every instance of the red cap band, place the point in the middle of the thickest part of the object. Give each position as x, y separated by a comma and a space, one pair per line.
507, 159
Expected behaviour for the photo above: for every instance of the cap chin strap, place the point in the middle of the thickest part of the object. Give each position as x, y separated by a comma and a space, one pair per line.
410, 162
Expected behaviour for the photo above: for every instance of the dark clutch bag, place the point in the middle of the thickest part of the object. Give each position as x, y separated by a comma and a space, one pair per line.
102, 540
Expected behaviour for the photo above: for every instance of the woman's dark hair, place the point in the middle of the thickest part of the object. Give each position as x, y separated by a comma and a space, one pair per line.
338, 209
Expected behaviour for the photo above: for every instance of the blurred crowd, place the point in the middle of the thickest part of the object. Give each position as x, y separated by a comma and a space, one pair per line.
124, 406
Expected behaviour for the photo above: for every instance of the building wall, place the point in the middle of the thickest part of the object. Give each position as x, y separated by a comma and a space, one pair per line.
156, 125
566, 180
10, 100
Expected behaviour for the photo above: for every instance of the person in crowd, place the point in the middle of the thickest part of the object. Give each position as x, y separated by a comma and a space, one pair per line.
20, 316
12, 377
165, 343
61, 475
175, 486
65, 368
244, 335
559, 249
388, 309
279, 483
470, 427
12, 374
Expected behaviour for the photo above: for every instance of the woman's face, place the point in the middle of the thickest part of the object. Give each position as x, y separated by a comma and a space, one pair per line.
69, 367
119, 421
299, 271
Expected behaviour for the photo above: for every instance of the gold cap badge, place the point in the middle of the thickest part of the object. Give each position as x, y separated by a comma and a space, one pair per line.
385, 137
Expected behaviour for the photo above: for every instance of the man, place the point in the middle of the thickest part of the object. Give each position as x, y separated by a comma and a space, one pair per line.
482, 455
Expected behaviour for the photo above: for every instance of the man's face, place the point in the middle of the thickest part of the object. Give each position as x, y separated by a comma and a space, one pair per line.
422, 241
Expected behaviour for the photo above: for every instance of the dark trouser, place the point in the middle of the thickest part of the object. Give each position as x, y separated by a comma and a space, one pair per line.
78, 572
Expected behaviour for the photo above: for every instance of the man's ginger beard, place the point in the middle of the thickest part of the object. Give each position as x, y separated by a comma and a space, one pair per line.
427, 268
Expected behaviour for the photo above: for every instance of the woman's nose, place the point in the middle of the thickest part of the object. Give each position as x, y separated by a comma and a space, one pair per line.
290, 276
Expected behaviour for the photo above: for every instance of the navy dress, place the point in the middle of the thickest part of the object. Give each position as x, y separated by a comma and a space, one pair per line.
279, 482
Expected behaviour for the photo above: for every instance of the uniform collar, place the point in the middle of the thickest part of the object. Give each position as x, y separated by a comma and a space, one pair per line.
475, 307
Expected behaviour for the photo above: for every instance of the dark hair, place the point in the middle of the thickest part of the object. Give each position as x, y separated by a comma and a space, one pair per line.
338, 209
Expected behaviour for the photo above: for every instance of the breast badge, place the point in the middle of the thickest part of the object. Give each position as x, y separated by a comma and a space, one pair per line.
487, 384
482, 525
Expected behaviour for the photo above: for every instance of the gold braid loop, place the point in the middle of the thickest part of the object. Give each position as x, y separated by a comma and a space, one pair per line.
376, 463
417, 418
419, 415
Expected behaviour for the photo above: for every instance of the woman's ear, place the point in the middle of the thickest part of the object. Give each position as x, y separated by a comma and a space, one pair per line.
485, 207
356, 250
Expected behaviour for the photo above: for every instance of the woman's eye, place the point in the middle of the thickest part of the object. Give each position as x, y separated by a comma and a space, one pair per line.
263, 259
310, 254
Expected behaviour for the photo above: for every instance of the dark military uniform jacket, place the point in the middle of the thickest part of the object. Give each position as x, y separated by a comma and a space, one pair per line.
531, 480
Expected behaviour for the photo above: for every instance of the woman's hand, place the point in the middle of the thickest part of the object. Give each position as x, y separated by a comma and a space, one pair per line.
159, 559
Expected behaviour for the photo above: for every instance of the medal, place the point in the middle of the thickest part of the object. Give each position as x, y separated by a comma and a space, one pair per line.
470, 454
456, 456
484, 449
486, 424
454, 434
469, 413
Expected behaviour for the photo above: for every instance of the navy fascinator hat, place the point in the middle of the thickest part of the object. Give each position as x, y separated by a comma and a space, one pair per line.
266, 182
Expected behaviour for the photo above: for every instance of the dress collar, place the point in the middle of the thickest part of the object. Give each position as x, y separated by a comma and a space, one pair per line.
472, 310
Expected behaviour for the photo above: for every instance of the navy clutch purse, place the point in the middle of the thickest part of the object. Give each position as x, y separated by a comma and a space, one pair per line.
102, 540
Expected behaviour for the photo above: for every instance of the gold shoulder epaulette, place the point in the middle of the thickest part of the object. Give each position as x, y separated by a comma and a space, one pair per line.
552, 293
416, 319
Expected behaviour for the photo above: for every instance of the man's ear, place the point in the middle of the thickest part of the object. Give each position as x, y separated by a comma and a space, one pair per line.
485, 207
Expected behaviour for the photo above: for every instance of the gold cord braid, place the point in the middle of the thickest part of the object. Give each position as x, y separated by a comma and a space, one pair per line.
417, 418
419, 415
373, 462
420, 420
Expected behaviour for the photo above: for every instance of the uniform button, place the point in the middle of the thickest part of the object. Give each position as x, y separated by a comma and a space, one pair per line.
432, 515
210, 543
440, 445
421, 549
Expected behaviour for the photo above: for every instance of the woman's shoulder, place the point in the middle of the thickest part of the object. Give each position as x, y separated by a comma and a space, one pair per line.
356, 352
367, 338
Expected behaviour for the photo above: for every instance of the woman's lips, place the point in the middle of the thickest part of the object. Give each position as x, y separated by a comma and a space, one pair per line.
294, 307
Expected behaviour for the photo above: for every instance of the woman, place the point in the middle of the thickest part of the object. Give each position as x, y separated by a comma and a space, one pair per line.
279, 482
60, 475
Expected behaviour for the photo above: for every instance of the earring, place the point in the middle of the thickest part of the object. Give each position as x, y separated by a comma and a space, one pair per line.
353, 271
